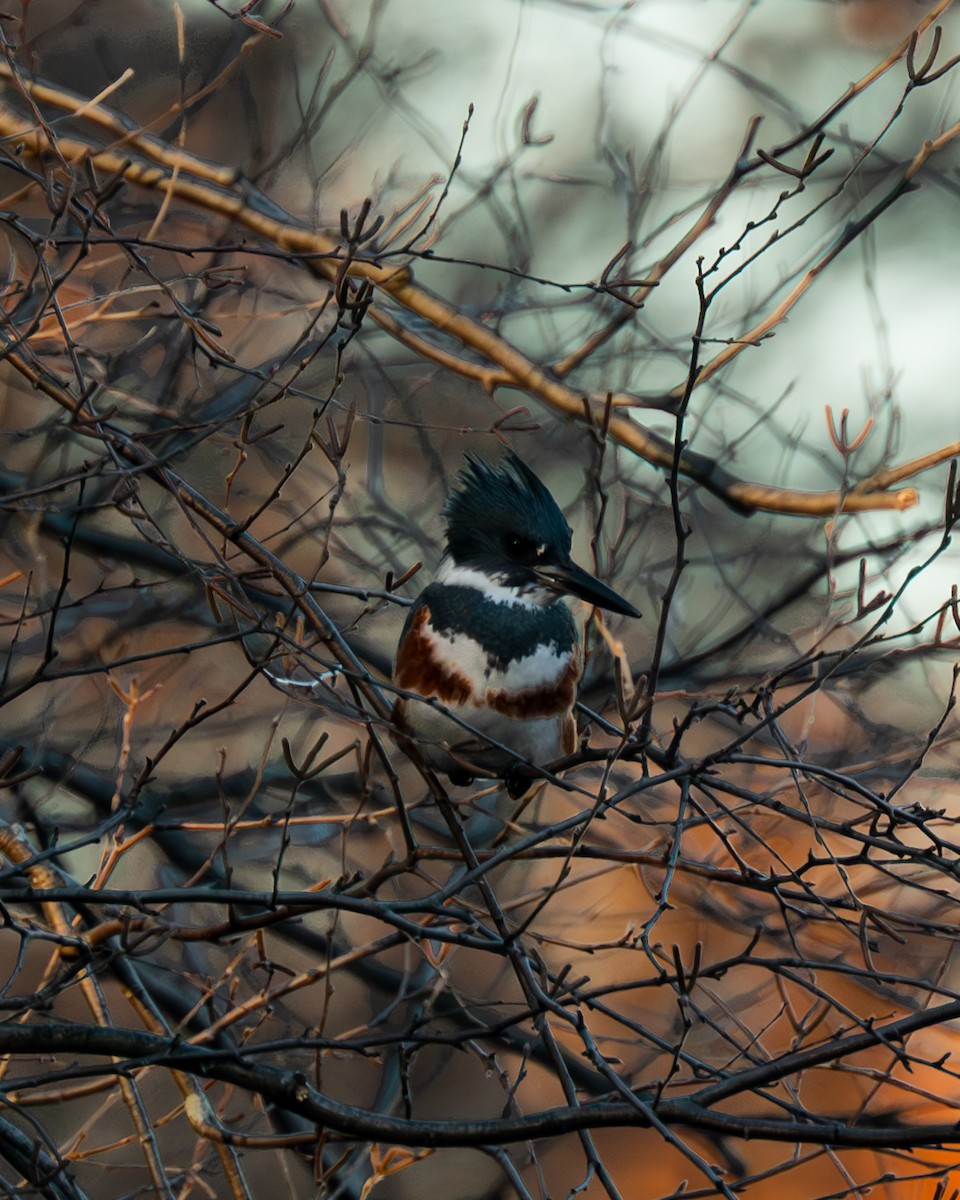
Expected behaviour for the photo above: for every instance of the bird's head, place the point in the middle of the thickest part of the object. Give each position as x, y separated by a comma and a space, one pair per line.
503, 522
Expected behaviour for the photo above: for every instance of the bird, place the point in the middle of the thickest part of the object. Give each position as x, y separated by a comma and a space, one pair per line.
489, 661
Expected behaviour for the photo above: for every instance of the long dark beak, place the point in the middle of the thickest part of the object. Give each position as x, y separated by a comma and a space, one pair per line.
569, 578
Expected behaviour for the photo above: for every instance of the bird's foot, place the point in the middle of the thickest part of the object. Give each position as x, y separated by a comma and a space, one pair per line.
518, 780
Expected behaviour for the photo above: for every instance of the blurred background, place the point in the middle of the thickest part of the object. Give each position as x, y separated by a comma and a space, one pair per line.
267, 275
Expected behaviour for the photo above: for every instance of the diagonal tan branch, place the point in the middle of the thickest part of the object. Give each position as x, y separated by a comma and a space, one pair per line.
763, 328
149, 163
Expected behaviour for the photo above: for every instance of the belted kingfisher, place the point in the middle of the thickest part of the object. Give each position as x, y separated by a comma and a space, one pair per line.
489, 640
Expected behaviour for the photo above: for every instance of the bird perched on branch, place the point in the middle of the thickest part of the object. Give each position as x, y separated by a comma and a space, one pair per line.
491, 652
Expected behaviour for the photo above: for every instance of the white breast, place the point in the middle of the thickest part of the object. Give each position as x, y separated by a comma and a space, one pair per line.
447, 744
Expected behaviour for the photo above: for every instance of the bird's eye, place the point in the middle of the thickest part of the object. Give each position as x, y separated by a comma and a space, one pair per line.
519, 548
